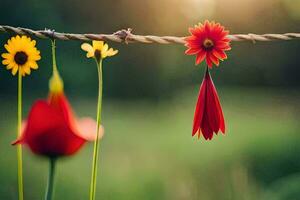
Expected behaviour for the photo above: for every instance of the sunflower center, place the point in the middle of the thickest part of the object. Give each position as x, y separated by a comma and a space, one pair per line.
21, 58
208, 44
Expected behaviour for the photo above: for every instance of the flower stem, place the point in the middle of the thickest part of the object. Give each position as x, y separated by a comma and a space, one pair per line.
54, 66
19, 147
50, 184
97, 142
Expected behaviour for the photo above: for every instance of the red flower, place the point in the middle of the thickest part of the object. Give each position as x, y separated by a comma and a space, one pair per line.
51, 129
208, 117
208, 41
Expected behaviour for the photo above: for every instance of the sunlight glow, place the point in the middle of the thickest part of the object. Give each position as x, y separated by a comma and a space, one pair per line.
199, 9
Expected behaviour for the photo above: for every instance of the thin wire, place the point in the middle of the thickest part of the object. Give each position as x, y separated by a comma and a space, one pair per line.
126, 36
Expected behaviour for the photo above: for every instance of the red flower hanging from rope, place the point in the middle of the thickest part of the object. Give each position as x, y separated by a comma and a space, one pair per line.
208, 41
208, 114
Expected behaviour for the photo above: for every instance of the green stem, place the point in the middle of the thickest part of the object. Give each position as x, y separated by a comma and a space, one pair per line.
97, 142
19, 147
50, 184
53, 46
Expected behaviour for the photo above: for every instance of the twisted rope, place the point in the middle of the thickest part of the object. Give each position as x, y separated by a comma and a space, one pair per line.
126, 36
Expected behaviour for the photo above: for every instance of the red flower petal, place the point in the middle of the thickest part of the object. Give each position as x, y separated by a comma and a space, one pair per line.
208, 117
212, 109
222, 45
214, 59
207, 26
205, 127
199, 108
209, 61
219, 54
51, 129
200, 57
221, 117
192, 51
196, 32
87, 129
48, 132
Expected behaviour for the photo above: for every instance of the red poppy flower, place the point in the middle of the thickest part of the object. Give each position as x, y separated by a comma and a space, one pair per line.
52, 130
208, 40
208, 117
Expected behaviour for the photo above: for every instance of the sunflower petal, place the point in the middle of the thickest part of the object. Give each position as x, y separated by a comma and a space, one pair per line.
6, 55
14, 70
112, 52
87, 47
97, 45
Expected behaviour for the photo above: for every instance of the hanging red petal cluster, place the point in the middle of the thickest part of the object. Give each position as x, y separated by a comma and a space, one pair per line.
208, 117
208, 41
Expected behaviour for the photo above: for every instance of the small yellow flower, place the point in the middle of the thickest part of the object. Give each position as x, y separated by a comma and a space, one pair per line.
22, 55
98, 50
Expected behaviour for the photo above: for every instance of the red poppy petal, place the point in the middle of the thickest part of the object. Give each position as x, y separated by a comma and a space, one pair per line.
21, 138
17, 141
55, 142
87, 129
61, 103
50, 128
41, 118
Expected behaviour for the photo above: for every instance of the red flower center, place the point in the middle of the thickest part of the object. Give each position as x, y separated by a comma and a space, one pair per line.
208, 44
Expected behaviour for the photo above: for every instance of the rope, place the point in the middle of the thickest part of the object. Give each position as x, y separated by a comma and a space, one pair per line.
126, 36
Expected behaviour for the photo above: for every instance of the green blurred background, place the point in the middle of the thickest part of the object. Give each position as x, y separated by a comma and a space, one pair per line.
149, 97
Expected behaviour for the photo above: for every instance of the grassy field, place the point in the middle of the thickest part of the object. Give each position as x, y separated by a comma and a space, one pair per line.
148, 152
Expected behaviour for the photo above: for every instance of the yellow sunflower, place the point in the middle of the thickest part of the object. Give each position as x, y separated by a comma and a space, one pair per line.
21, 55
98, 50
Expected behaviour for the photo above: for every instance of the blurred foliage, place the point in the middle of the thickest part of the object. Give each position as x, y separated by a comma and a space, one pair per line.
148, 152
